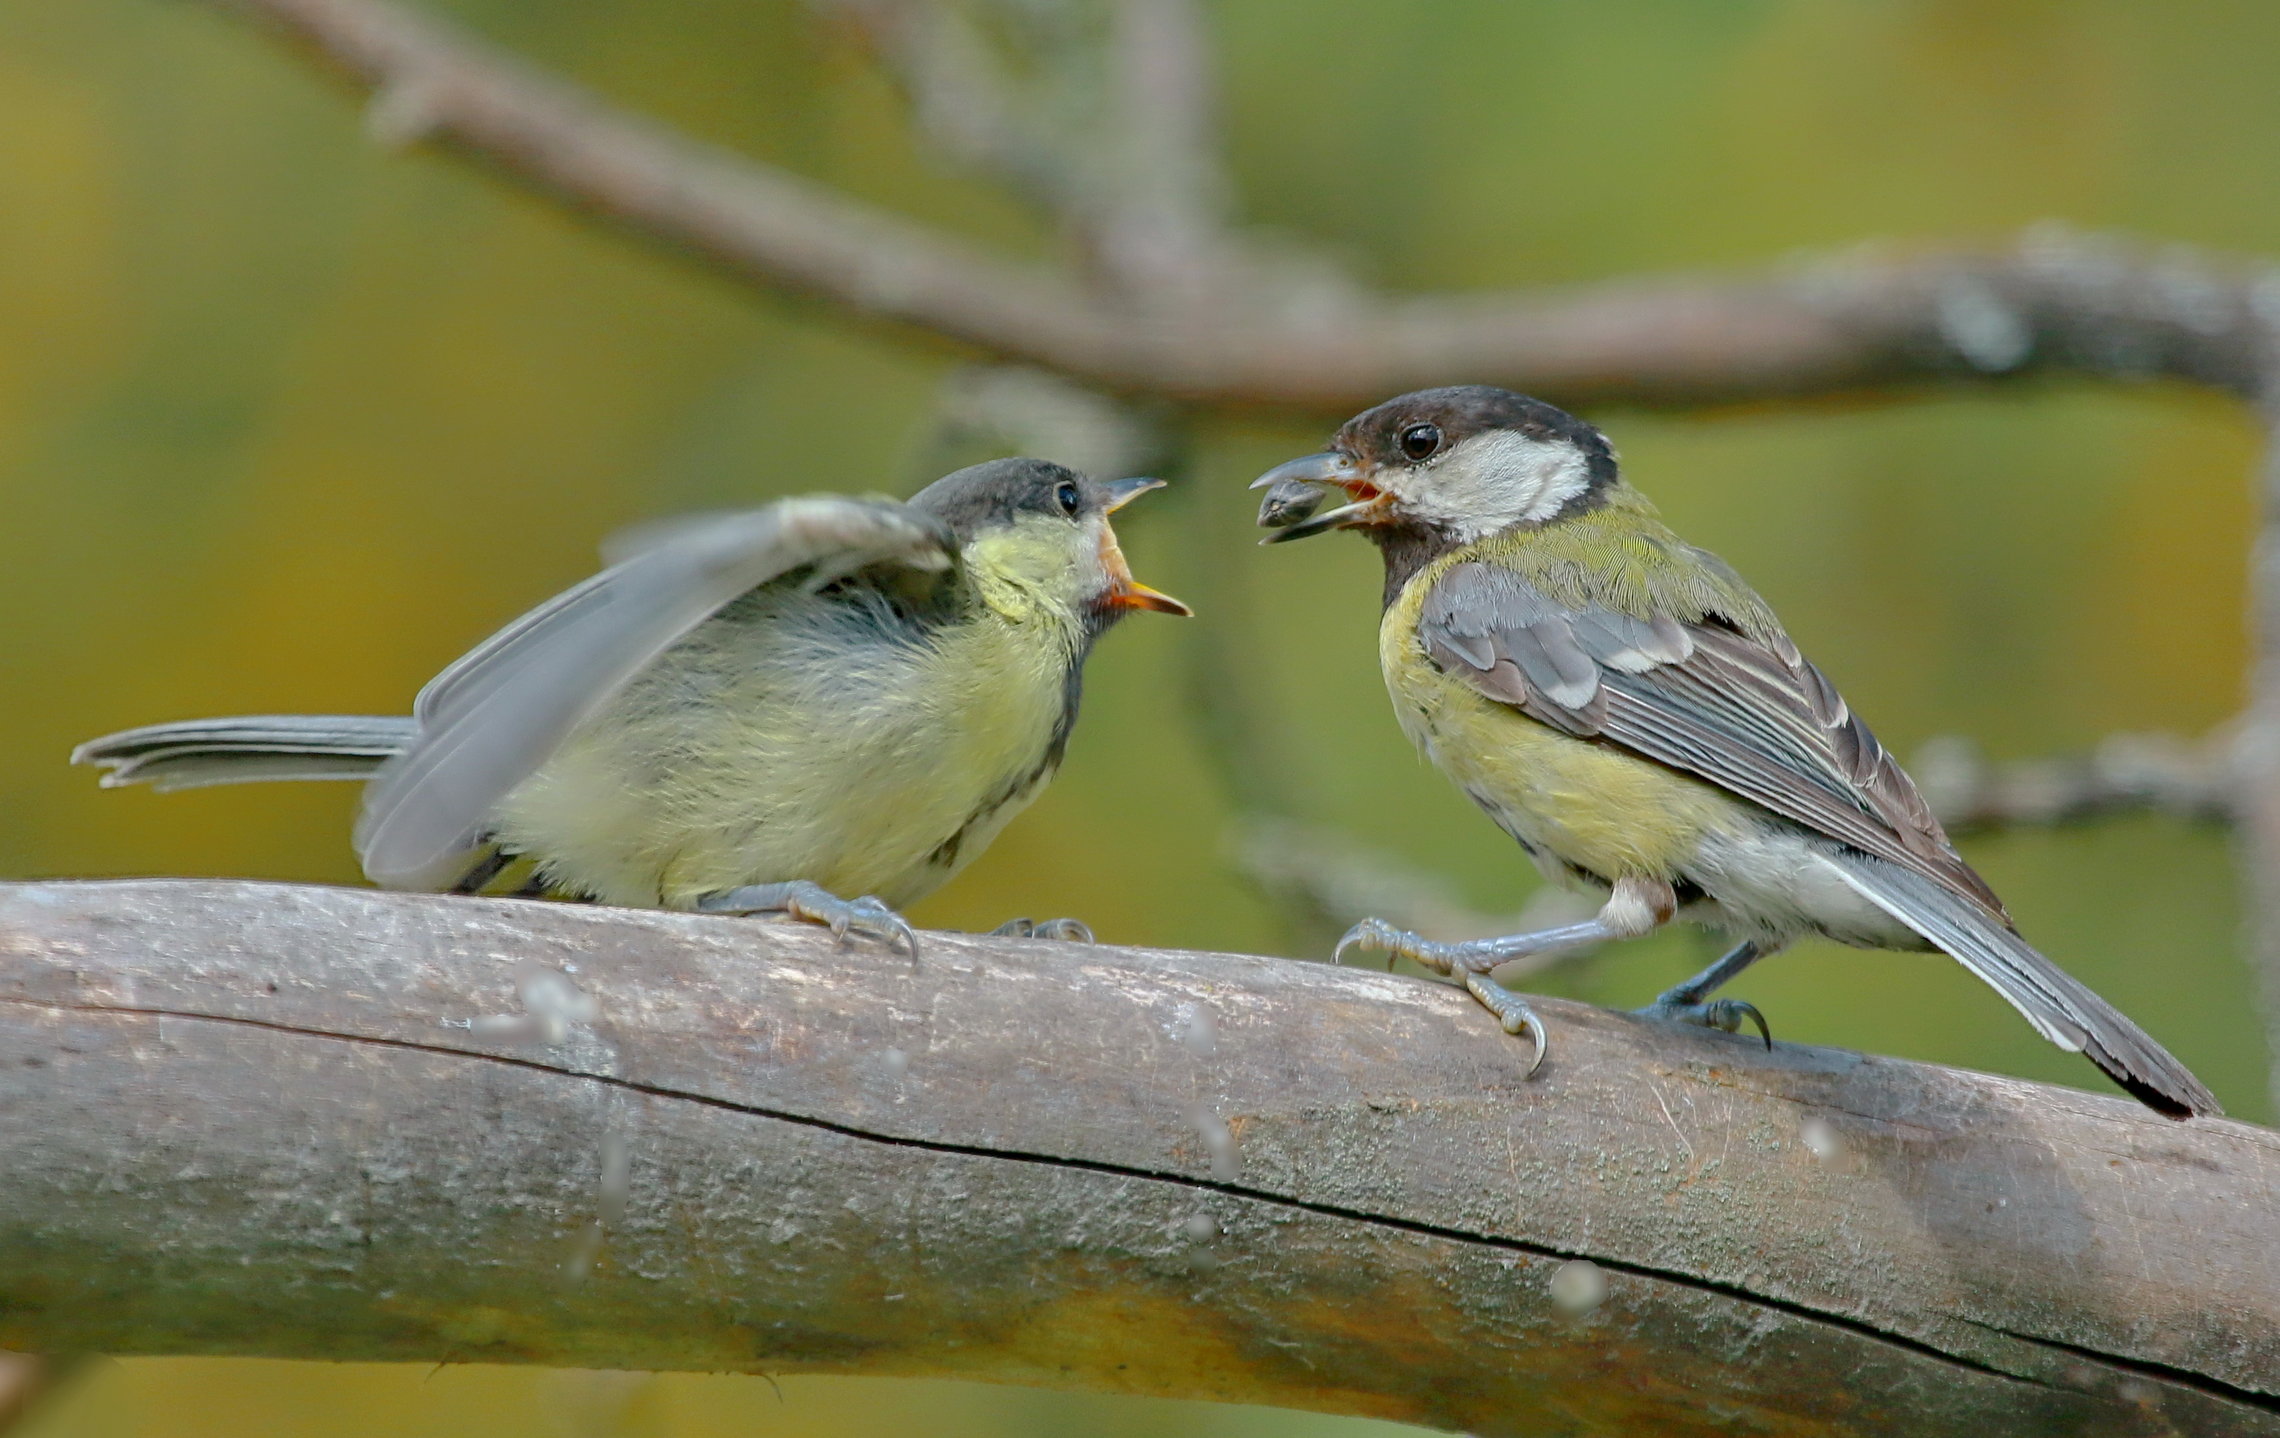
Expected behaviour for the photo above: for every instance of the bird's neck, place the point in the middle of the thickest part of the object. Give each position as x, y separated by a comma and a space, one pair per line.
1406, 549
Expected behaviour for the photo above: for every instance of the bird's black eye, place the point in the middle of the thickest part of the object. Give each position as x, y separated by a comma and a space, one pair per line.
1419, 441
1069, 497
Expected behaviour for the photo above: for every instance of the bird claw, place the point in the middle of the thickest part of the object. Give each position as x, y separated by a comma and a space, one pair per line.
1382, 937
1068, 931
813, 904
1450, 960
1378, 935
1469, 964
1725, 1015
1513, 1013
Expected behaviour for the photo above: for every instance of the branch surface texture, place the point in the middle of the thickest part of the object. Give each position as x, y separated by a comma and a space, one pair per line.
318, 1123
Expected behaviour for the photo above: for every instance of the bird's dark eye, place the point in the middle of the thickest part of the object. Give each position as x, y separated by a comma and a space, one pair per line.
1069, 497
1419, 441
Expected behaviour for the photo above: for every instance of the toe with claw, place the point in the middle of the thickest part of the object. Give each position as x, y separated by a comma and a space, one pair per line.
1469, 962
1378, 936
1725, 1015
1513, 1012
814, 904
1068, 931
1373, 935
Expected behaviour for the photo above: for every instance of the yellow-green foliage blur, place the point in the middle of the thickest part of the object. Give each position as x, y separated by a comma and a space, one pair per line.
287, 421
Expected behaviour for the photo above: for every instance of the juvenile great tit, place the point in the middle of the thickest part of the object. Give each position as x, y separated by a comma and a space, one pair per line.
1624, 706
823, 708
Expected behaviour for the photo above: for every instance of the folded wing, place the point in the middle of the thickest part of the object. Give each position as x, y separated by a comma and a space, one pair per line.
1751, 715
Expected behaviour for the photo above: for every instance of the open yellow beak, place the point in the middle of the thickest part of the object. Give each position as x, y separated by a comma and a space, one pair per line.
1125, 592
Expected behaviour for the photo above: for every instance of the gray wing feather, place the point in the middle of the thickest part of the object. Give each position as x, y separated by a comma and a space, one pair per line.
197, 753
490, 720
2060, 1007
1755, 718
1759, 721
477, 666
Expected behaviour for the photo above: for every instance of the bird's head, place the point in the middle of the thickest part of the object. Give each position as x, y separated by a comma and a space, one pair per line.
1037, 538
1452, 465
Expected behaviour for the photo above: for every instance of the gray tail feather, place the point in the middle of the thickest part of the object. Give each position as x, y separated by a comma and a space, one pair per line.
198, 752
2054, 1001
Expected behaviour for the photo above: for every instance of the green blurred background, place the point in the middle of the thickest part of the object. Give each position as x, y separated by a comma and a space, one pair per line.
287, 421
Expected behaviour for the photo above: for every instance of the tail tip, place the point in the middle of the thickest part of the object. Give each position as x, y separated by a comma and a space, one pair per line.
2179, 1096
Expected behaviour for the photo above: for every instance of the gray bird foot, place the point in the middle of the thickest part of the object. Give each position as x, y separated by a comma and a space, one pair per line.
1724, 1014
1381, 937
1068, 931
814, 904
1467, 962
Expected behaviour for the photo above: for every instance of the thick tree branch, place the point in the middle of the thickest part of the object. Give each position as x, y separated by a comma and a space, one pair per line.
2059, 302
261, 1119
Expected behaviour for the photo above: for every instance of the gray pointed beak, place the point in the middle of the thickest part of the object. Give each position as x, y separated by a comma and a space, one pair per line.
1297, 489
1328, 467
1123, 491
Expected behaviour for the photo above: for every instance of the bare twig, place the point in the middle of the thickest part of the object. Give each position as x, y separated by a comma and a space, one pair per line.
1104, 121
2059, 302
1191, 1174
963, 101
2126, 773
1161, 232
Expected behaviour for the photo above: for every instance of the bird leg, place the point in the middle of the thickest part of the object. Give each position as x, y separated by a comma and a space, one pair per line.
812, 903
1690, 1002
1634, 907
1068, 931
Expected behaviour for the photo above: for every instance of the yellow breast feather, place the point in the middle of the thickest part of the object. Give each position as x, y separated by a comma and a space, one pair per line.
1584, 802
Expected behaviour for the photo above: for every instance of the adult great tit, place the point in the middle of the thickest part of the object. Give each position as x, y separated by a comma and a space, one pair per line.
1624, 706
824, 708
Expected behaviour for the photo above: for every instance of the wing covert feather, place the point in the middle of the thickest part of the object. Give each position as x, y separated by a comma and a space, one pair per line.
490, 720
1751, 715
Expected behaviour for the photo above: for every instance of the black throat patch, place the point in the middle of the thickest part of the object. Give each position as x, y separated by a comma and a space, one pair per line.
1407, 548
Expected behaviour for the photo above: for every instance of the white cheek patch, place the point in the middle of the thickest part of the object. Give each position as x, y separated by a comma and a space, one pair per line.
1495, 480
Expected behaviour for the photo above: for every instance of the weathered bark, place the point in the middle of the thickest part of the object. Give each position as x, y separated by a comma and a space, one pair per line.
259, 1119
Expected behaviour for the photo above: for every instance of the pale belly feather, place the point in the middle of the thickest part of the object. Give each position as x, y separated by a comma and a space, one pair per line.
798, 739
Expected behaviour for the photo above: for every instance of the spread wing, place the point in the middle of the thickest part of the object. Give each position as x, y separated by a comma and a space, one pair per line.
1751, 716
490, 720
